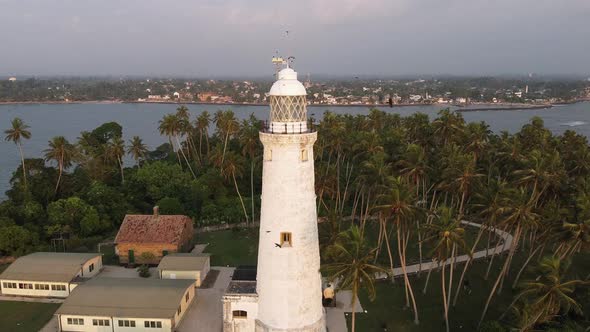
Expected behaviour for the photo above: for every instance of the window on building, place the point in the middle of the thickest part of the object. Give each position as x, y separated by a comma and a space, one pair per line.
153, 324
101, 322
179, 310
75, 321
91, 267
267, 154
286, 239
126, 323
41, 286
9, 284
240, 314
61, 288
186, 297
25, 286
304, 155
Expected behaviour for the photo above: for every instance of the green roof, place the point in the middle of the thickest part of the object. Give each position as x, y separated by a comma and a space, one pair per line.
47, 266
183, 262
126, 297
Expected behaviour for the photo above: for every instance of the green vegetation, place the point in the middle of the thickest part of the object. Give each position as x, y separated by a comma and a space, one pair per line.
25, 316
404, 183
231, 247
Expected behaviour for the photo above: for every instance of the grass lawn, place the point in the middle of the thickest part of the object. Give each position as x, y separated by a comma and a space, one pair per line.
240, 246
388, 312
231, 247
25, 316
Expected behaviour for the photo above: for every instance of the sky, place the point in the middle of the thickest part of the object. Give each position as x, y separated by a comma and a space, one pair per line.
205, 38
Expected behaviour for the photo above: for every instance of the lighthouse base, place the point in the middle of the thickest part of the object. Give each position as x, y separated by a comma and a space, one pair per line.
319, 326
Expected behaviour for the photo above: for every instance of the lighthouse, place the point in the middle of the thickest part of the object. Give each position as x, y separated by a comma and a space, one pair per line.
288, 280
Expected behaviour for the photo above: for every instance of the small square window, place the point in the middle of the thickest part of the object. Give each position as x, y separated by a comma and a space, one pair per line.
286, 239
267, 154
304, 155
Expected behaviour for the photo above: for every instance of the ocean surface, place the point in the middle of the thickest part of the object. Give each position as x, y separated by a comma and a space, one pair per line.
49, 120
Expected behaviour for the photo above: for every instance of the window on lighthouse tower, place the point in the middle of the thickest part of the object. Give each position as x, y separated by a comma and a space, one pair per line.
285, 239
304, 155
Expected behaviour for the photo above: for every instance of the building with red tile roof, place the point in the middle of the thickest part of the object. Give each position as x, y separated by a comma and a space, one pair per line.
145, 239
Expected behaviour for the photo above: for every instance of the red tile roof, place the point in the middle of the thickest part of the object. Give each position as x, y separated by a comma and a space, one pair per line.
152, 228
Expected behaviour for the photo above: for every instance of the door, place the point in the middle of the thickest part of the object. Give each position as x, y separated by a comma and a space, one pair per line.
131, 257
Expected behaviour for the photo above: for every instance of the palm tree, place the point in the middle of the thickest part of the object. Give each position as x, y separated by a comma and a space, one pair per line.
185, 126
62, 152
230, 167
250, 146
171, 126
16, 134
398, 203
548, 295
351, 265
227, 126
202, 125
446, 236
115, 151
137, 149
520, 216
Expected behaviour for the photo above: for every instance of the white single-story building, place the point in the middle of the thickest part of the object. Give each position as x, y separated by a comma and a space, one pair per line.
185, 266
126, 305
240, 306
49, 274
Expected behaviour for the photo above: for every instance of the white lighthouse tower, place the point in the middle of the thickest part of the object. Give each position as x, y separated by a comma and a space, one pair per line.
288, 281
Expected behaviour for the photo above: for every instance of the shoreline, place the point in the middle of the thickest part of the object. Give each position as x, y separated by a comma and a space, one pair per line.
458, 108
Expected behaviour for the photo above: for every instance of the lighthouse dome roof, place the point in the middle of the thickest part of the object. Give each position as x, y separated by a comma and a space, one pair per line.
287, 84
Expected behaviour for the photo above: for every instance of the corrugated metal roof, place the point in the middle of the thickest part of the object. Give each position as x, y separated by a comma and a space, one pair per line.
47, 266
126, 297
183, 262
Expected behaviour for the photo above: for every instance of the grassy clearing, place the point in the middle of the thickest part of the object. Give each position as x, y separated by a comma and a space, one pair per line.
388, 311
25, 316
231, 247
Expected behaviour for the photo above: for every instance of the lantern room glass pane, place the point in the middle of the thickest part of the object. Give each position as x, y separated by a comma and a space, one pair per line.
287, 109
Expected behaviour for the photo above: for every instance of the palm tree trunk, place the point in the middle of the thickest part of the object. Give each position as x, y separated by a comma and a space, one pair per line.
444, 294
524, 266
60, 167
353, 304
185, 158
479, 234
451, 274
224, 147
121, 167
502, 272
240, 196
406, 279
200, 144
388, 250
22, 158
252, 188
428, 278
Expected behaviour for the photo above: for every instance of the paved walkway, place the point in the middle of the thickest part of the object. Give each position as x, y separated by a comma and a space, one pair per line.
335, 318
206, 314
425, 266
199, 248
30, 299
115, 271
51, 326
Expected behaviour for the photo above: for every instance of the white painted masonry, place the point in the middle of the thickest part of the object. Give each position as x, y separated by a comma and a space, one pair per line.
288, 278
